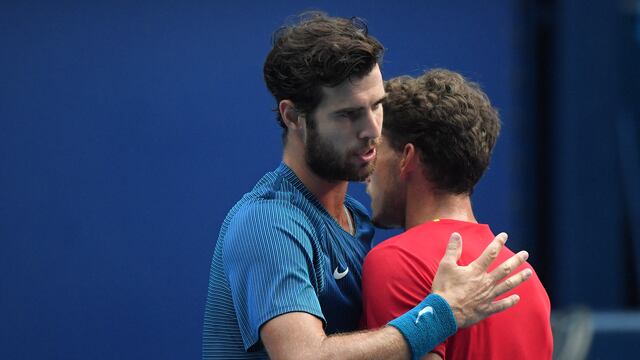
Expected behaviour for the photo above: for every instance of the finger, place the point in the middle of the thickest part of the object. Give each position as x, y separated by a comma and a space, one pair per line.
490, 253
503, 304
512, 282
506, 268
454, 249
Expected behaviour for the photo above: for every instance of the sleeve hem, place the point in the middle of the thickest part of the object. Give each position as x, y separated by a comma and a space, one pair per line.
254, 343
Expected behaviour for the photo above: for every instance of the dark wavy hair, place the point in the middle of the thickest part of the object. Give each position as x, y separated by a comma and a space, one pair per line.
317, 51
449, 120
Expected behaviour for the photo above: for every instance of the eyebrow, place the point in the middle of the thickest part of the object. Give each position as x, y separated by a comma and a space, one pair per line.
353, 109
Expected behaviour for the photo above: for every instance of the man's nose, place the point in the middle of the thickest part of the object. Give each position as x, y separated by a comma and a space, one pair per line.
371, 125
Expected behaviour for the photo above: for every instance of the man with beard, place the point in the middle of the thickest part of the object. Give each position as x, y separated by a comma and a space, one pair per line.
286, 269
438, 134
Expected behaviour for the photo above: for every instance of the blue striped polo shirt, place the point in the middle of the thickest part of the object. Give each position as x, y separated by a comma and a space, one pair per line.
280, 251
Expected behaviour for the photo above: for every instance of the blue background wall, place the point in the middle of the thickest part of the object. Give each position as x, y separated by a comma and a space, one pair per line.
128, 130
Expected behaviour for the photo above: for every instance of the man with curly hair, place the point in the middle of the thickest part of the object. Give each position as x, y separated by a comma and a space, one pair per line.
438, 134
285, 280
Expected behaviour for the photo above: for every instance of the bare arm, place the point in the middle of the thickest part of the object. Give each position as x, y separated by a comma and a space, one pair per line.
431, 356
299, 335
469, 290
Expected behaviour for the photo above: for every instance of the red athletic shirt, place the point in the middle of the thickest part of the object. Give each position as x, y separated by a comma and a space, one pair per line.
397, 275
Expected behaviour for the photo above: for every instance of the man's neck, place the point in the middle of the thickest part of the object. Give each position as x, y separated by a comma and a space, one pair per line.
330, 194
424, 204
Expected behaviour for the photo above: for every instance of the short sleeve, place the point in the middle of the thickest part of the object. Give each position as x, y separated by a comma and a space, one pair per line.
394, 281
269, 261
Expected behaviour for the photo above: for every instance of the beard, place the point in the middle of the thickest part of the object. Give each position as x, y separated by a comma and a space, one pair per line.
389, 209
388, 219
325, 161
390, 213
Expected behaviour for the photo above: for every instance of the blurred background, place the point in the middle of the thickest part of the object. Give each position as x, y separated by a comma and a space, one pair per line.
128, 129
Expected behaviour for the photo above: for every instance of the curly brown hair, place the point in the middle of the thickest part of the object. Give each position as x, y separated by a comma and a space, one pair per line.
318, 51
449, 120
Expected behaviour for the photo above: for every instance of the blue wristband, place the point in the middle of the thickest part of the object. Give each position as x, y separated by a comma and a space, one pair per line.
426, 325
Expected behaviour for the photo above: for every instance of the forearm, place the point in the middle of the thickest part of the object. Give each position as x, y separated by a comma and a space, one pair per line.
301, 336
384, 343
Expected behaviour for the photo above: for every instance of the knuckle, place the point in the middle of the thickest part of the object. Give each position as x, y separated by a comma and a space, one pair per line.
506, 269
509, 283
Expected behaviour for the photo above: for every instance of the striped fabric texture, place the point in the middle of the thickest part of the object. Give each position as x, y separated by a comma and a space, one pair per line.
280, 251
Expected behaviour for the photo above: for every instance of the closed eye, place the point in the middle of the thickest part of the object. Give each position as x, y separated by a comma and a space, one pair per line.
349, 114
379, 102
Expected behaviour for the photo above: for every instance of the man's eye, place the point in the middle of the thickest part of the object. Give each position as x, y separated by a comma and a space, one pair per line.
348, 114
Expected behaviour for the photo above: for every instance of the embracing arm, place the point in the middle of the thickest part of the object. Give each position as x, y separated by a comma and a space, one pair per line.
469, 291
301, 336
432, 356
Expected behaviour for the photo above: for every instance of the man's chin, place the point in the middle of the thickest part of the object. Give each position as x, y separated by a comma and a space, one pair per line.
381, 224
359, 175
363, 173
333, 172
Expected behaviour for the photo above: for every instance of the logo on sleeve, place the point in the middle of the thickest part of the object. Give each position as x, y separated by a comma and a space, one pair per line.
425, 310
339, 275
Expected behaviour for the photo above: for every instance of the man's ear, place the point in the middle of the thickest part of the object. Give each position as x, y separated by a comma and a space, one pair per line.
290, 115
408, 160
